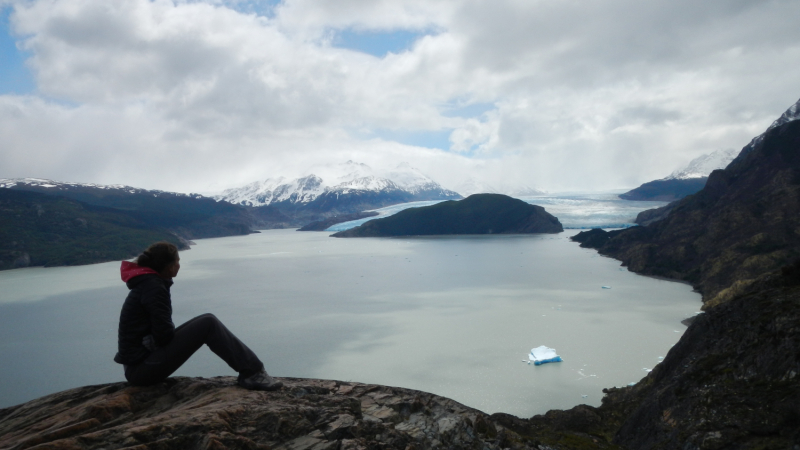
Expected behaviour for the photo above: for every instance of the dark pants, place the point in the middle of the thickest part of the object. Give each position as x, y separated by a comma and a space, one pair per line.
204, 329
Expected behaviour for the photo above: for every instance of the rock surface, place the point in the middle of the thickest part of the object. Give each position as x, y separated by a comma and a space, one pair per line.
476, 214
197, 413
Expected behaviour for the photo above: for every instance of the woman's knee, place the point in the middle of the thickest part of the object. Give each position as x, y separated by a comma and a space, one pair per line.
207, 317
209, 321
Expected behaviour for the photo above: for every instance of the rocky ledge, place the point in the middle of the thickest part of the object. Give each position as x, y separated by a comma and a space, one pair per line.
198, 413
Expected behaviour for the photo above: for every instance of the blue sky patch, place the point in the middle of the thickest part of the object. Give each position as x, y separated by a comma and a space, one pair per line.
376, 43
15, 77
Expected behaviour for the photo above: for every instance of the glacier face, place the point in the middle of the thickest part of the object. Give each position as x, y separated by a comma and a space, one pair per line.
338, 180
702, 166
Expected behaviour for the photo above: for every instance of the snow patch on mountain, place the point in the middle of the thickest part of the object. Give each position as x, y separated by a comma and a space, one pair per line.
369, 183
702, 166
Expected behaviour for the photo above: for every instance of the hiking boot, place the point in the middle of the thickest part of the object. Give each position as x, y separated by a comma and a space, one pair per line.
260, 381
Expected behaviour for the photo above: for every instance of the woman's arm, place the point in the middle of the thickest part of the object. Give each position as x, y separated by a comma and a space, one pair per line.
156, 300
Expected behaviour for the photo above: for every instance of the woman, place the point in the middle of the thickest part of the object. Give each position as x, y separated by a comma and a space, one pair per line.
151, 348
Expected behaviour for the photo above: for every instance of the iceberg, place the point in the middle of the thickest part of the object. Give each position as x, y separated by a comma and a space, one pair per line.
543, 354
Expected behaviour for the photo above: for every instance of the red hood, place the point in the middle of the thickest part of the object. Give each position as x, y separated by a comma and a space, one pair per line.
129, 270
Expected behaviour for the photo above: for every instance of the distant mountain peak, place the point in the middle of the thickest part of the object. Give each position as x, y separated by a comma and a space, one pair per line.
703, 165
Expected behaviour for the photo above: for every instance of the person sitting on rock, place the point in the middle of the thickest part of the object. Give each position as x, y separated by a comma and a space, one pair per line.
151, 348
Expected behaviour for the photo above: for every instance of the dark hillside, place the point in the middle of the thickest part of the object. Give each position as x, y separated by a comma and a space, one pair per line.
191, 216
665, 190
44, 230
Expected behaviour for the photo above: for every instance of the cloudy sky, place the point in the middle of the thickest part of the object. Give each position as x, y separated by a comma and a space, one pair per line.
559, 94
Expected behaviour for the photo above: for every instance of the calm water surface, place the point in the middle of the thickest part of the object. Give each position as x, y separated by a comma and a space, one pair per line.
455, 316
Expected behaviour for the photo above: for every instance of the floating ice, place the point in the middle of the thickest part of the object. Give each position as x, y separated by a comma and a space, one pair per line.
543, 354
606, 287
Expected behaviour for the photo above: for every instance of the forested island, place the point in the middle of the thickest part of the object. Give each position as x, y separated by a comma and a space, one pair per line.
476, 214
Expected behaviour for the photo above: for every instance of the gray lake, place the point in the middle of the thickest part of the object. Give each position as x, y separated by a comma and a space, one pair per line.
455, 316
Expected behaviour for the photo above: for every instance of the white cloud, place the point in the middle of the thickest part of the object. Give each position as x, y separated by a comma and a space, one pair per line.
199, 96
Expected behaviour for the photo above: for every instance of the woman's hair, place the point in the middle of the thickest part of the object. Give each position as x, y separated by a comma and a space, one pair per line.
158, 256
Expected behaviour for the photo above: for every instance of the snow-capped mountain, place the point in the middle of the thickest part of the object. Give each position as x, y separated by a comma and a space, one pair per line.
473, 186
275, 190
338, 180
42, 184
790, 115
702, 166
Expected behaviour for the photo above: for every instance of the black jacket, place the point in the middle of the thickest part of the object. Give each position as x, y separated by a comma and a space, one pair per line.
147, 311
